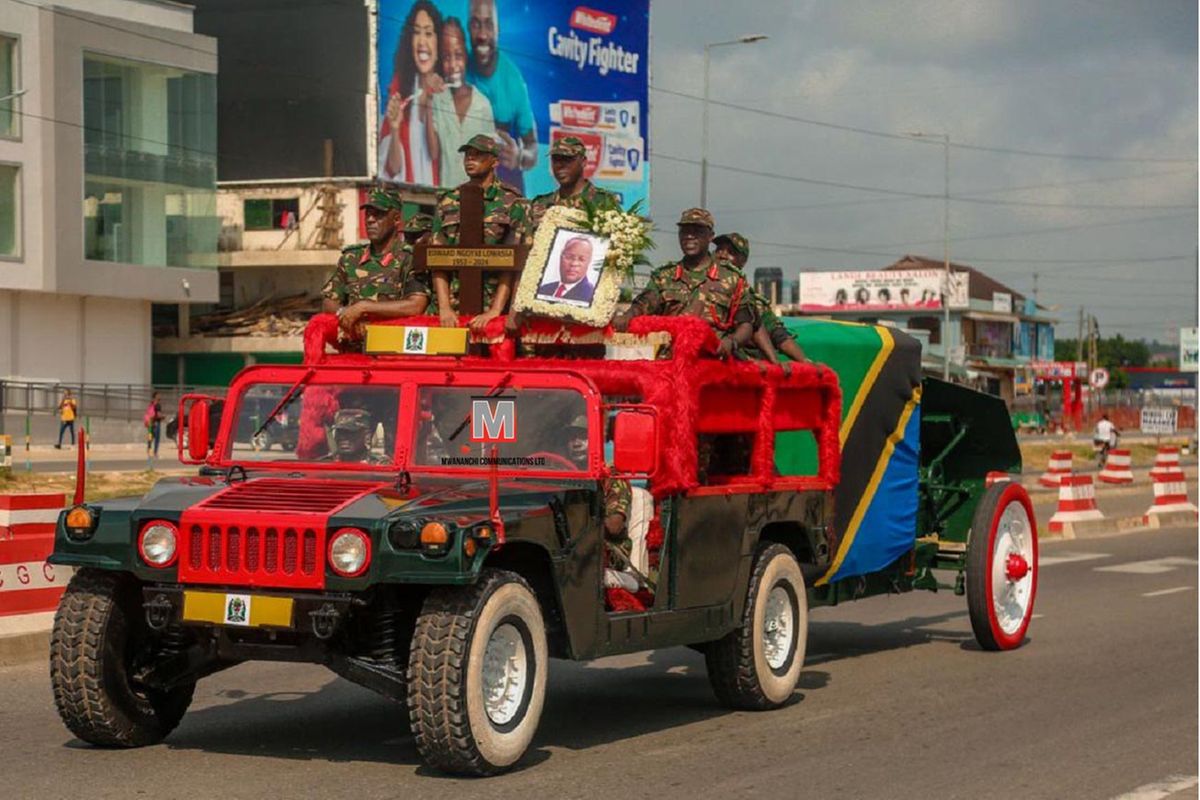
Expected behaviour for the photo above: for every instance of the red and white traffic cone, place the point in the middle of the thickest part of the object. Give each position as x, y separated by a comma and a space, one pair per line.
996, 476
1076, 503
1170, 495
1118, 467
1165, 462
1059, 468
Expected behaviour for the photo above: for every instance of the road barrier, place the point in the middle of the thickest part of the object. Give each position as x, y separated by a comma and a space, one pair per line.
1166, 462
1170, 495
1118, 467
1059, 468
1076, 503
28, 584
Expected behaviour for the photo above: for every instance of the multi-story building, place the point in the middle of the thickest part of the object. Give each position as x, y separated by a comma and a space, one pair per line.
107, 183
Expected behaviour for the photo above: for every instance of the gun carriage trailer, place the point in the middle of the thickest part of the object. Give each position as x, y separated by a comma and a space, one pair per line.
463, 546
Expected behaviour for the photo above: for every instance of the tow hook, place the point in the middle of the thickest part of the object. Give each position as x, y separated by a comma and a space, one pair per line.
158, 612
324, 621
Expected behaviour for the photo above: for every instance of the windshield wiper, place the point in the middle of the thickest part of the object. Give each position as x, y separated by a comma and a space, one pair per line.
287, 399
492, 392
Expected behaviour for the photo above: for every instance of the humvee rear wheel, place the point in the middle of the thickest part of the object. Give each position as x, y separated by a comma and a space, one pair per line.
757, 666
1002, 567
477, 674
98, 642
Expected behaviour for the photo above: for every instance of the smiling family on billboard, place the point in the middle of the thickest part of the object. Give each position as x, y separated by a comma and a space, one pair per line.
526, 73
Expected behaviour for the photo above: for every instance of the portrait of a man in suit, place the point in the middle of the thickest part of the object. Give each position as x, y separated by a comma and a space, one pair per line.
573, 262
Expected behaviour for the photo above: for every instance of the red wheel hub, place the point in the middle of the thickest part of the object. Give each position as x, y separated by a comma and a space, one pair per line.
1016, 567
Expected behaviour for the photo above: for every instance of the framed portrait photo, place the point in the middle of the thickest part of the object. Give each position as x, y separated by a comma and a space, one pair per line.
567, 275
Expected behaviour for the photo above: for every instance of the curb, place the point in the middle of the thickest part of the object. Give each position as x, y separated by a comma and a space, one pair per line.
1099, 527
25, 638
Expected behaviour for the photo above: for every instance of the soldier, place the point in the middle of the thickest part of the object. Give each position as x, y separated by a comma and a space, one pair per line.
417, 226
376, 279
504, 212
352, 431
769, 332
568, 157
697, 285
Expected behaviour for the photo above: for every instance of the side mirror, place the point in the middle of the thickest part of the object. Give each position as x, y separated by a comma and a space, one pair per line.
635, 442
198, 430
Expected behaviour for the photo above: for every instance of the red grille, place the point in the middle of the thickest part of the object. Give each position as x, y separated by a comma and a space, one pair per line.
287, 496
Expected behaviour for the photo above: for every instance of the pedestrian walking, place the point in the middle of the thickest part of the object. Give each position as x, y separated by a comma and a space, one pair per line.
152, 419
67, 410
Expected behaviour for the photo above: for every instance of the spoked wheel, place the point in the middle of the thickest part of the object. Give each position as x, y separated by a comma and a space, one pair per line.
261, 440
757, 666
477, 675
1002, 567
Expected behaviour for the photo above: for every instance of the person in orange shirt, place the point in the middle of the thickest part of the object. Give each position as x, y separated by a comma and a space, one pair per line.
67, 408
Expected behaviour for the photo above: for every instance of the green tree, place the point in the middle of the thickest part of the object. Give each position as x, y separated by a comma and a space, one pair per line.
1113, 353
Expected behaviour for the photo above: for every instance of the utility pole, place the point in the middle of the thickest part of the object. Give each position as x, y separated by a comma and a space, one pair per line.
1035, 288
945, 137
747, 39
1079, 341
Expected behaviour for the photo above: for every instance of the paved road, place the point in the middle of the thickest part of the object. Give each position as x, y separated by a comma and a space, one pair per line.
897, 701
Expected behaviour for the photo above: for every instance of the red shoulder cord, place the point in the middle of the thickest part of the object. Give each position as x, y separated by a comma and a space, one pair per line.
733, 307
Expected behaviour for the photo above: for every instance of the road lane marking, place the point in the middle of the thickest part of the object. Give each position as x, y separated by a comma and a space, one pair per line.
1167, 591
1067, 558
1160, 789
1154, 566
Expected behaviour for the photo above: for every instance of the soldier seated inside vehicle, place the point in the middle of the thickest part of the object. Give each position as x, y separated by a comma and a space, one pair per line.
352, 431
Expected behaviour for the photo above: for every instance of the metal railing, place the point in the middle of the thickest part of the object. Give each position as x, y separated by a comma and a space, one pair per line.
120, 401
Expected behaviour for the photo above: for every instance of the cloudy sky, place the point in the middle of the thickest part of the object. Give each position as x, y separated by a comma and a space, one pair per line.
1108, 90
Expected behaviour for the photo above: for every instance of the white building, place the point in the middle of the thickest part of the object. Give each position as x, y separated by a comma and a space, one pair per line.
107, 182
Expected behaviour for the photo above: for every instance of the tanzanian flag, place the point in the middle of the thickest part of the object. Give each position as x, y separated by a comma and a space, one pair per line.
875, 504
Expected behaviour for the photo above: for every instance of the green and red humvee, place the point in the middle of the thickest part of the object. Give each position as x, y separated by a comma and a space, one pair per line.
433, 535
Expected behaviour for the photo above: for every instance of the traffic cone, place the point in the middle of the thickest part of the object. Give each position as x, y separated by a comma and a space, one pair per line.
1170, 495
1076, 503
1118, 467
996, 476
1059, 468
1165, 462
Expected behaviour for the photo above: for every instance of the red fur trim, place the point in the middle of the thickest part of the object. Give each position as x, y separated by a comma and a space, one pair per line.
654, 534
320, 404
620, 600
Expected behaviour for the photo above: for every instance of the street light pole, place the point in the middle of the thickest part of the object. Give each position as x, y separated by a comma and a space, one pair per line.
945, 137
747, 39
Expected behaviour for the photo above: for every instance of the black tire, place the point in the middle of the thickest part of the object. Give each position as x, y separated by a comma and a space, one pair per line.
262, 440
992, 632
738, 667
454, 729
98, 634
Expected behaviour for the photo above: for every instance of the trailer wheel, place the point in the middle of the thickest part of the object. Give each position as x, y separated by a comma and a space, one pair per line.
477, 674
97, 642
757, 666
1002, 566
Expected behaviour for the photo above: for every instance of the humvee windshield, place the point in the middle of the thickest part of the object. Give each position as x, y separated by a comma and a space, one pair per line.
517, 429
333, 423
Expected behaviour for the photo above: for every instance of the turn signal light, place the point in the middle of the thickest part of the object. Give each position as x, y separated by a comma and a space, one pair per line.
434, 537
80, 523
469, 547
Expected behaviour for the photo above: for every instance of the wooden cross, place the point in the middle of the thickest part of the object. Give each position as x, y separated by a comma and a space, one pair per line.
470, 257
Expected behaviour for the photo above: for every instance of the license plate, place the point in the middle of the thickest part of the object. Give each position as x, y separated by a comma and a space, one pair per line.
240, 610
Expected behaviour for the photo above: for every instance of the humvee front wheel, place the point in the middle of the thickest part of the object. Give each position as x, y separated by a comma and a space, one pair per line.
99, 639
757, 666
477, 674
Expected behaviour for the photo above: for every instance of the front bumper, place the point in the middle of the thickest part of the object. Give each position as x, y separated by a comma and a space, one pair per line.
240, 609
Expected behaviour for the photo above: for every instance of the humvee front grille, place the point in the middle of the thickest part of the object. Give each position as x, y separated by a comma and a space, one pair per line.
253, 555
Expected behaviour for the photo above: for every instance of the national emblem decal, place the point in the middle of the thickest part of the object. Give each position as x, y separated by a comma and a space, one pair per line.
237, 609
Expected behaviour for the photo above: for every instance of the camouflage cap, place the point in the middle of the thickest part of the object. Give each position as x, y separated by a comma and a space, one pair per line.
384, 199
580, 421
483, 143
419, 223
352, 419
568, 146
696, 216
736, 241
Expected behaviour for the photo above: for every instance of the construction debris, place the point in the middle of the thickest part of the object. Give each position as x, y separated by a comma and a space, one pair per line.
284, 316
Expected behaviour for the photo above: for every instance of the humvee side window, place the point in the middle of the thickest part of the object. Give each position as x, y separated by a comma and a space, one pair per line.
524, 428
320, 423
726, 429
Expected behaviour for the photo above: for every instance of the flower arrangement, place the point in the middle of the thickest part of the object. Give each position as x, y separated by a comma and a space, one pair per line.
628, 233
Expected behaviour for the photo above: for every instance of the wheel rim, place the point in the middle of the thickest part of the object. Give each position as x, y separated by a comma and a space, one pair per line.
1013, 568
779, 628
505, 674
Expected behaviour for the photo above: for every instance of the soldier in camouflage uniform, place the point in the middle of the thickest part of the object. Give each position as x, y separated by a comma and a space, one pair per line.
417, 227
353, 429
769, 331
376, 279
504, 213
568, 156
697, 285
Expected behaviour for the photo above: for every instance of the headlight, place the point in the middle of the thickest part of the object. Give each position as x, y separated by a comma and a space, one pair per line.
156, 543
350, 552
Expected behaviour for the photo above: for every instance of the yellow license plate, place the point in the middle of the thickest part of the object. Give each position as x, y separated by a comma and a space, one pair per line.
239, 610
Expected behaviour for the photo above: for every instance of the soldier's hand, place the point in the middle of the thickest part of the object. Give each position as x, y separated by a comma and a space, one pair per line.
620, 323
349, 320
481, 321
725, 348
448, 318
510, 151
514, 321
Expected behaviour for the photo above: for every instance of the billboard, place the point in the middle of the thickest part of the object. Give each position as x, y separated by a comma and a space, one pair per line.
1189, 349
525, 72
873, 290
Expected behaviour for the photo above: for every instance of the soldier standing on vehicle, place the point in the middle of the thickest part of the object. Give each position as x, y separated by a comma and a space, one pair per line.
697, 285
504, 213
416, 228
376, 279
769, 331
568, 157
